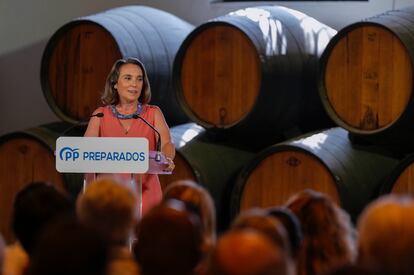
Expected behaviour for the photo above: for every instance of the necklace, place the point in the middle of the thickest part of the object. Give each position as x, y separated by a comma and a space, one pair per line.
122, 116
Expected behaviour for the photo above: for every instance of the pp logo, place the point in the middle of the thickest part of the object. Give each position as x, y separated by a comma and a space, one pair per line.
68, 153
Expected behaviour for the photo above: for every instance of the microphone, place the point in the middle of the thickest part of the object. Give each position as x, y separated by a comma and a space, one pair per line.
80, 122
158, 155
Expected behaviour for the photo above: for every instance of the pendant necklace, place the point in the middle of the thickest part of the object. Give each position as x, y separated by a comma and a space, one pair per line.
120, 116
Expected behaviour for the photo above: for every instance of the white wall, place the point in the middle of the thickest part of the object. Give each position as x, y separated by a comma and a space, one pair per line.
26, 26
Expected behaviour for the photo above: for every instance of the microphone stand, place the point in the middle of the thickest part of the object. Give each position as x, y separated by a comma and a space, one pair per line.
158, 148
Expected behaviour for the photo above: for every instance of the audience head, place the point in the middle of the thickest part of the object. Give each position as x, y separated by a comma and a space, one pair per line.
197, 197
386, 235
109, 207
247, 252
36, 205
67, 247
258, 219
110, 95
169, 240
328, 233
292, 226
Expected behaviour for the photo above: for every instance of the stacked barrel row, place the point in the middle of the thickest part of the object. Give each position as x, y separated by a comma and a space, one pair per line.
366, 86
75, 63
247, 80
365, 77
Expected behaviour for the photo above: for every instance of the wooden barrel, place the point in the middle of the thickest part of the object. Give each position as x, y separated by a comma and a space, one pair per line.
366, 78
80, 54
326, 162
28, 156
212, 164
181, 135
253, 72
401, 179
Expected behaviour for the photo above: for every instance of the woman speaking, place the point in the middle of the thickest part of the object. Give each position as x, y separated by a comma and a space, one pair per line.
125, 98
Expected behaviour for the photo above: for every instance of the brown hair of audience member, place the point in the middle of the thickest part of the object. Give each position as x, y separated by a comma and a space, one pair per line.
36, 205
386, 235
109, 207
169, 240
256, 218
197, 197
328, 233
247, 252
66, 247
292, 225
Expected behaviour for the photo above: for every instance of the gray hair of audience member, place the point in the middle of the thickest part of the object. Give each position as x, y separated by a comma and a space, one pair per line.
257, 218
329, 237
67, 247
36, 205
169, 240
197, 197
2, 251
248, 252
386, 235
292, 225
110, 207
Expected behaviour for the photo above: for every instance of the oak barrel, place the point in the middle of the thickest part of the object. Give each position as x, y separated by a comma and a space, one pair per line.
366, 78
27, 156
326, 162
212, 164
80, 54
401, 178
253, 72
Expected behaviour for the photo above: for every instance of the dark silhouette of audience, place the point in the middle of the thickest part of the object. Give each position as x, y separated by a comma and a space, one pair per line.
169, 240
36, 205
309, 235
66, 247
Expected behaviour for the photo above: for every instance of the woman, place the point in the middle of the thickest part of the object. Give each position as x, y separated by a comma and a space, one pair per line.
328, 234
126, 96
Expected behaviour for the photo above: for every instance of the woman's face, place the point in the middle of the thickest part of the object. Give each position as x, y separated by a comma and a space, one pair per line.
129, 84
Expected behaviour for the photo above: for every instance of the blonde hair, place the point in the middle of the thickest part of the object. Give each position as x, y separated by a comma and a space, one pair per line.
110, 94
110, 207
196, 196
386, 235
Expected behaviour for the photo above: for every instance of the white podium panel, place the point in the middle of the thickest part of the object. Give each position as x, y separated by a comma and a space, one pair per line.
102, 155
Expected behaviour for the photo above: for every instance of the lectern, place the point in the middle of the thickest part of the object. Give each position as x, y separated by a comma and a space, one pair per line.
97, 155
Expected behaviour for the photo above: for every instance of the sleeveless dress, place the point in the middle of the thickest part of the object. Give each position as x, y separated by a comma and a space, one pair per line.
110, 126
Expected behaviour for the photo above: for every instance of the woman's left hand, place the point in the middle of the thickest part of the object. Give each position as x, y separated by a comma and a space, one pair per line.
170, 165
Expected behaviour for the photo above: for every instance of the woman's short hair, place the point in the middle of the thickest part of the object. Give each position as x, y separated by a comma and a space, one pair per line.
110, 94
110, 207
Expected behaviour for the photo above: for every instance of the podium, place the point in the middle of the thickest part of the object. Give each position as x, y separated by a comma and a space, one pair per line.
94, 155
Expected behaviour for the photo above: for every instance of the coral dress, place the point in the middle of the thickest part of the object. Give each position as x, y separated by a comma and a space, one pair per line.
110, 126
